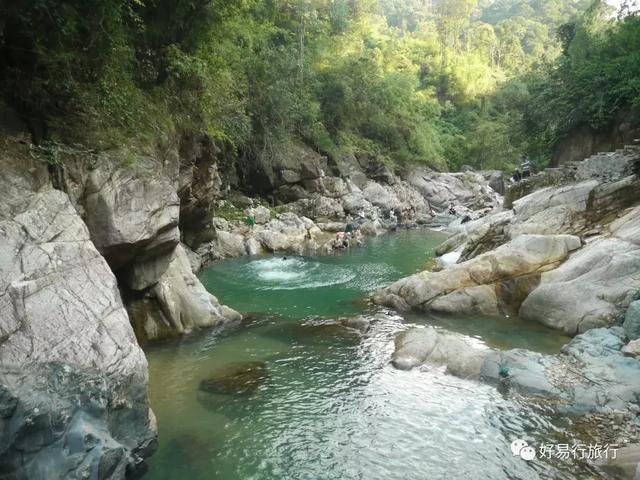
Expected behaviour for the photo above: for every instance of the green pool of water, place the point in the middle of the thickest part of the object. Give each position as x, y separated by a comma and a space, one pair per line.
331, 406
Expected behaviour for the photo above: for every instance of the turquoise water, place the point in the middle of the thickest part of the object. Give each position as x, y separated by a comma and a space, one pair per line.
331, 406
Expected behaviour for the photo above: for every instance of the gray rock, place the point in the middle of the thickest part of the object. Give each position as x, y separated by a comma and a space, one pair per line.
495, 178
67, 422
260, 214
418, 346
469, 189
632, 320
184, 302
522, 256
381, 197
591, 289
60, 306
327, 208
574, 197
131, 214
526, 371
334, 187
355, 202
608, 379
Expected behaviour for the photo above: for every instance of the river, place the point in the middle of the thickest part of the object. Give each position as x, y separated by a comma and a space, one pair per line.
331, 406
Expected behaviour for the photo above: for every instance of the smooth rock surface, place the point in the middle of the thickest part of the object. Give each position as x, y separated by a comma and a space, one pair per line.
72, 376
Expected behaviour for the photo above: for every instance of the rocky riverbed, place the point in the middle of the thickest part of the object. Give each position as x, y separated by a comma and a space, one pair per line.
100, 251
566, 256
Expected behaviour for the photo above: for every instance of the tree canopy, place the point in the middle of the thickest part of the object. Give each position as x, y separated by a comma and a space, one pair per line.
441, 82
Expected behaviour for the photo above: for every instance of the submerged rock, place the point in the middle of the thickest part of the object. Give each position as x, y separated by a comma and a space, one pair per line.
236, 379
418, 346
590, 375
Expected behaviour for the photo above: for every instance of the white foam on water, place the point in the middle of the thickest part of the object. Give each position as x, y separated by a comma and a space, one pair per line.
279, 273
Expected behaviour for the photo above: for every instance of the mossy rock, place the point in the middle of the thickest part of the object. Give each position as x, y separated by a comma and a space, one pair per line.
236, 379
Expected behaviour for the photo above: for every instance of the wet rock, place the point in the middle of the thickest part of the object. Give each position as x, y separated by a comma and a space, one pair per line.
322, 328
190, 448
609, 379
181, 303
372, 228
359, 323
69, 422
418, 346
525, 371
236, 379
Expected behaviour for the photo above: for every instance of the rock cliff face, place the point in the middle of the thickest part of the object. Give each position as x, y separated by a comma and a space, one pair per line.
311, 198
73, 397
566, 256
584, 141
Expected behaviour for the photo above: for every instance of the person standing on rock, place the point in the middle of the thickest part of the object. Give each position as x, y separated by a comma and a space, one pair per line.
526, 167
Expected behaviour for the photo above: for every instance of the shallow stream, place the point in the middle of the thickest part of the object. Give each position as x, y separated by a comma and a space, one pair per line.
331, 406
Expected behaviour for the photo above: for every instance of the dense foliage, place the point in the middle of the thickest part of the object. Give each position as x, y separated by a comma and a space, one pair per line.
443, 82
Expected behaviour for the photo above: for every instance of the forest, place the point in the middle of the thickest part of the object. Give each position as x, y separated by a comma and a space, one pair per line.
445, 83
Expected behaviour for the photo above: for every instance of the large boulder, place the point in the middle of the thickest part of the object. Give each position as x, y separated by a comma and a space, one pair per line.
179, 304
381, 197
73, 388
525, 371
286, 164
591, 289
525, 255
590, 375
495, 178
595, 286
575, 197
417, 346
132, 214
469, 189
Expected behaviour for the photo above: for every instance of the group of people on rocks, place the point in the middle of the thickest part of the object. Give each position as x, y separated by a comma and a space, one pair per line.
351, 236
526, 170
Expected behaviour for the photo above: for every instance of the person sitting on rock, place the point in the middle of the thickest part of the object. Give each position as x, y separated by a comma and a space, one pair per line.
516, 176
